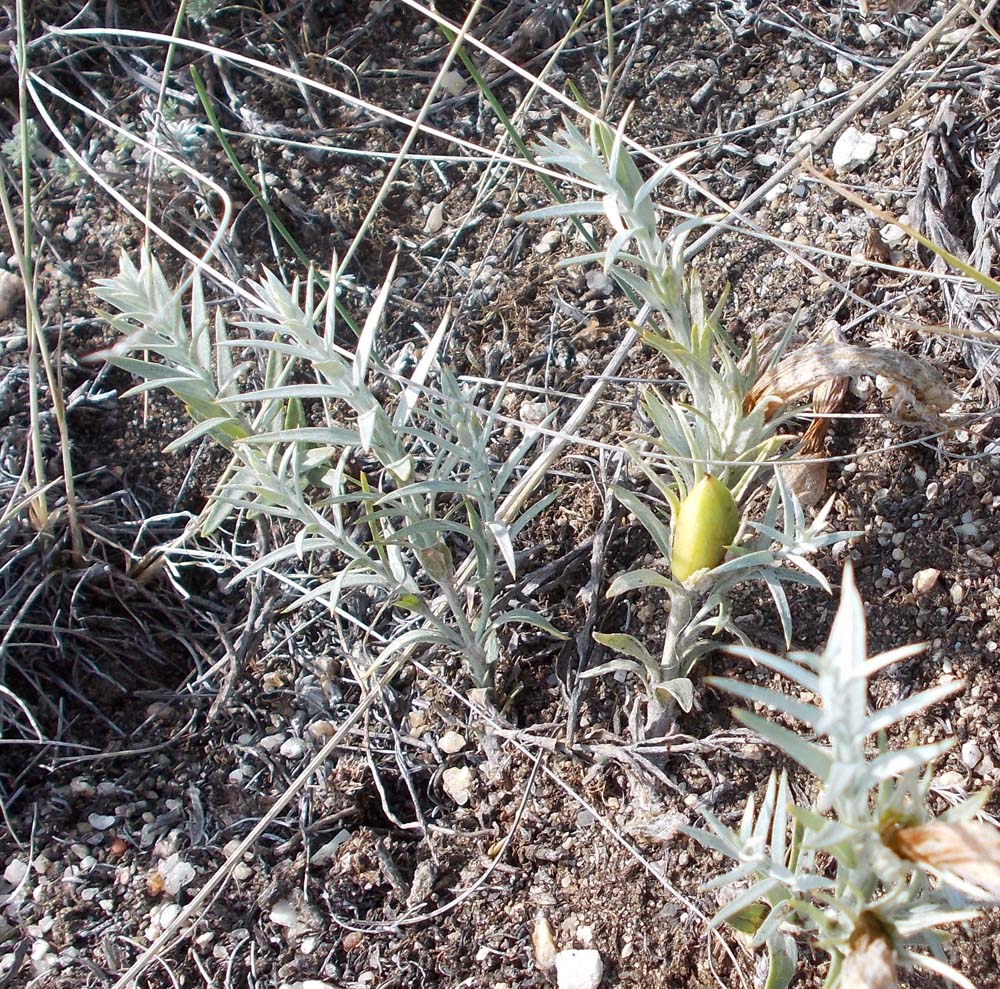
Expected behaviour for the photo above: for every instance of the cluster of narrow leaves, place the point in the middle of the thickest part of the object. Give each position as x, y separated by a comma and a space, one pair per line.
897, 874
384, 482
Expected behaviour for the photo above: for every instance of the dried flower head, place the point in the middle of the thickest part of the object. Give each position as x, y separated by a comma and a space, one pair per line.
870, 962
966, 856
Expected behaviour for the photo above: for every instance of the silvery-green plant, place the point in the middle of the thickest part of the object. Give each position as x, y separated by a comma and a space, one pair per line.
711, 427
383, 489
851, 870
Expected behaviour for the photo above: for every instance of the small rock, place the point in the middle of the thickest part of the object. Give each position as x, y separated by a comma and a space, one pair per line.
579, 969
269, 743
451, 742
778, 189
177, 874
533, 413
599, 283
16, 870
453, 83
435, 219
284, 914
924, 581
950, 778
972, 754
548, 242
457, 782
322, 730
325, 852
957, 594
853, 149
978, 557
292, 748
827, 86
100, 822
543, 943
11, 293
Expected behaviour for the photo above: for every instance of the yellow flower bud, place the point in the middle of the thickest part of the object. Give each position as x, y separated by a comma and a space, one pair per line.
706, 524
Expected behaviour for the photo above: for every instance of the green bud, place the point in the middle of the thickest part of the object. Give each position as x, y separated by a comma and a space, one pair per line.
706, 524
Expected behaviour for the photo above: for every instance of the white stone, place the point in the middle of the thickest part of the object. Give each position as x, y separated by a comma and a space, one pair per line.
292, 748
853, 149
100, 822
451, 742
548, 242
325, 852
457, 782
827, 86
533, 413
579, 969
16, 870
284, 914
972, 754
177, 874
435, 219
924, 580
453, 83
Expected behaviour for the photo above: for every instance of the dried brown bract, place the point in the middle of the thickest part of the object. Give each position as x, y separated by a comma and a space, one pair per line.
966, 856
806, 476
870, 962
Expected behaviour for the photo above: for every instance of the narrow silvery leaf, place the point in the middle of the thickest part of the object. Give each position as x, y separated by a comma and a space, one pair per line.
366, 428
911, 705
806, 713
617, 666
807, 754
629, 645
896, 763
529, 617
786, 667
642, 511
502, 536
782, 956
366, 341
638, 580
758, 891
414, 387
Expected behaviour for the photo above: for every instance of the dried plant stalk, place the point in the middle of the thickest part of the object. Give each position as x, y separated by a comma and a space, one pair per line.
909, 381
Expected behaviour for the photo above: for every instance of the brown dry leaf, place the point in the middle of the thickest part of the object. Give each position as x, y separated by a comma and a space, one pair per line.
807, 475
966, 856
908, 381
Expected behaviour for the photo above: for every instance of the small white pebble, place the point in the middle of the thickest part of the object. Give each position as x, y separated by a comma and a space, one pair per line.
451, 742
16, 870
292, 748
579, 969
972, 754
